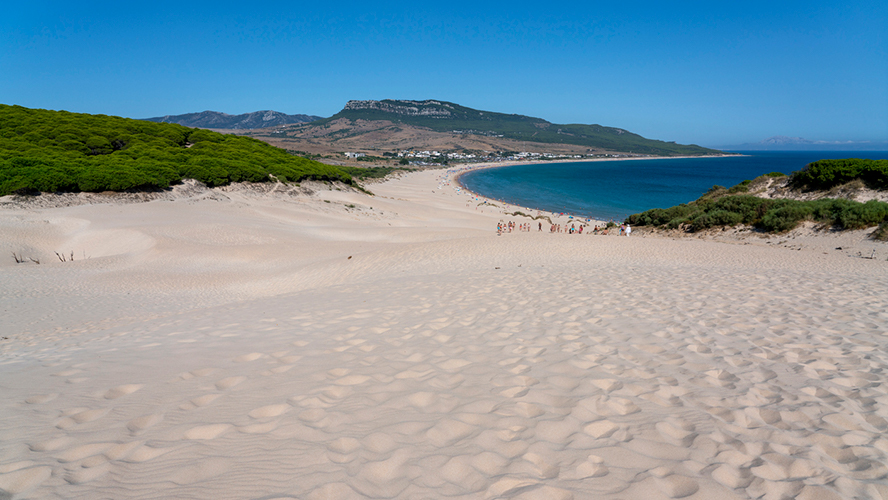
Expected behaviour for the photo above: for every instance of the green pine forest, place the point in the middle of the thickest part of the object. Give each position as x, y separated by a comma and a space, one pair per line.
58, 151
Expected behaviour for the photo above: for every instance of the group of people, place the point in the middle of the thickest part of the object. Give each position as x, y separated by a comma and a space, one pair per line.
556, 228
508, 227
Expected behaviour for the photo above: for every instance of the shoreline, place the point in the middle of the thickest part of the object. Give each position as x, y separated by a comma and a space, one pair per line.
482, 166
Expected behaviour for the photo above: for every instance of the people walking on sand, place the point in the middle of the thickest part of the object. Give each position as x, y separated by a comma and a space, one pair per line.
628, 230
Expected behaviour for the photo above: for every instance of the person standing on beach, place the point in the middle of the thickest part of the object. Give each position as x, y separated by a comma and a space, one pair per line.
628, 230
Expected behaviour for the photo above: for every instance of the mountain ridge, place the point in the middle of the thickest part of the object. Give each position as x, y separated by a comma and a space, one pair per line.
447, 117
785, 143
245, 121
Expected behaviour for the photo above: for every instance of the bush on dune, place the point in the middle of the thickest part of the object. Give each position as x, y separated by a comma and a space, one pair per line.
770, 215
826, 174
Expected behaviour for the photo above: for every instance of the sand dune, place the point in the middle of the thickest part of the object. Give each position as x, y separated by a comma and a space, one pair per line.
260, 346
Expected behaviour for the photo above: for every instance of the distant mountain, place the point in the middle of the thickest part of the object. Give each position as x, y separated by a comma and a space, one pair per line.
783, 143
246, 121
447, 117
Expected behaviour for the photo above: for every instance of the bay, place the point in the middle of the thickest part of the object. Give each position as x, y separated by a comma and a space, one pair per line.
615, 189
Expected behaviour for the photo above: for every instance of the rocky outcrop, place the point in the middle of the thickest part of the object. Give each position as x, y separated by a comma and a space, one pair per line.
406, 108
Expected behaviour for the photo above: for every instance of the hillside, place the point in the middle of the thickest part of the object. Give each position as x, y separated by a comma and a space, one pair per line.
246, 121
50, 151
455, 120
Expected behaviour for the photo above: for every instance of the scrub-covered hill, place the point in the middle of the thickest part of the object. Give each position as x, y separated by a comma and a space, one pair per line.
448, 117
52, 151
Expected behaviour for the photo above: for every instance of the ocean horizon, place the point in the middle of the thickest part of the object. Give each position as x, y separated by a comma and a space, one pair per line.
615, 189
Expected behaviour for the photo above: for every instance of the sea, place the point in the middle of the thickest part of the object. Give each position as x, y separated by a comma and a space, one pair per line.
613, 190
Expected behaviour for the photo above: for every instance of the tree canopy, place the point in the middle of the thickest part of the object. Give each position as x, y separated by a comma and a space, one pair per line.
52, 151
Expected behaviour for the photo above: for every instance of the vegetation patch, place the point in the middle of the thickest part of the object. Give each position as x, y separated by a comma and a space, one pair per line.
518, 213
881, 234
58, 151
372, 172
721, 206
766, 214
827, 174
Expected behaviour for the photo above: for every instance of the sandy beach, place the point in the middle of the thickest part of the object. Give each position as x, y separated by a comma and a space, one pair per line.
320, 343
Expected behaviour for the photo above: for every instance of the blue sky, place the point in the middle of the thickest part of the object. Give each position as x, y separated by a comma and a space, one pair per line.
699, 72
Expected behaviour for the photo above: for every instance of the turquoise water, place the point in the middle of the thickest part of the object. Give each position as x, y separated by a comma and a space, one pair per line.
615, 189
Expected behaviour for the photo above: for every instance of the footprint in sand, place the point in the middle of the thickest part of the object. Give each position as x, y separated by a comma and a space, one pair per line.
270, 411
315, 417
539, 467
460, 471
448, 432
122, 450
677, 432
43, 398
145, 453
245, 358
343, 450
591, 468
203, 372
207, 432
51, 444
21, 481
83, 451
332, 491
139, 424
199, 402
82, 417
732, 477
674, 485
122, 390
228, 383
88, 473
601, 429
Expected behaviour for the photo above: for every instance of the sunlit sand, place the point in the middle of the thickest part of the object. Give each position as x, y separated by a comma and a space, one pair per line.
331, 345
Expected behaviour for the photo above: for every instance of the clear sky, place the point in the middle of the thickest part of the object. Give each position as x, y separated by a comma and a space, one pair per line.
710, 73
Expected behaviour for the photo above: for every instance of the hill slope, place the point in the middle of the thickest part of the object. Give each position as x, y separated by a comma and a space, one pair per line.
50, 151
246, 121
448, 117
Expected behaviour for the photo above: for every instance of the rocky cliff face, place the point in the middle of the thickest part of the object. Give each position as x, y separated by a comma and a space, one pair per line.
215, 119
406, 108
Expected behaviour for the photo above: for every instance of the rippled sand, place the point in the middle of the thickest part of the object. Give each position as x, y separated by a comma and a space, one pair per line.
241, 345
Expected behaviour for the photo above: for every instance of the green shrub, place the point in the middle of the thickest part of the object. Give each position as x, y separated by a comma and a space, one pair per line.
768, 215
743, 187
60, 151
861, 215
785, 217
707, 220
826, 174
